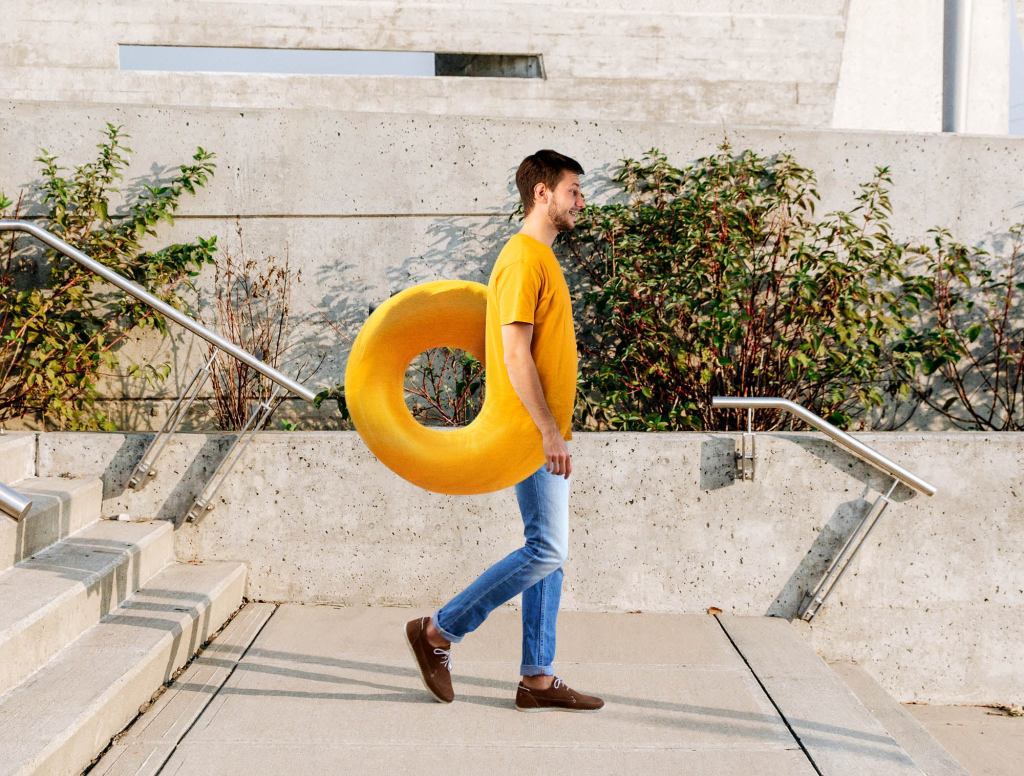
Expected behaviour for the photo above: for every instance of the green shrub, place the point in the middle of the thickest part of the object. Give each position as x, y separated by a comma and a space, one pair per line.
717, 279
58, 335
969, 337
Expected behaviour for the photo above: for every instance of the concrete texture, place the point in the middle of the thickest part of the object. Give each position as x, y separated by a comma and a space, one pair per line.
984, 741
860, 63
63, 715
839, 734
329, 690
154, 735
60, 507
891, 72
17, 457
916, 741
366, 205
734, 61
53, 597
331, 687
931, 606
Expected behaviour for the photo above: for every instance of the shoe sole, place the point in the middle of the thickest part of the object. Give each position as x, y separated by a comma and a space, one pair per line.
419, 671
558, 708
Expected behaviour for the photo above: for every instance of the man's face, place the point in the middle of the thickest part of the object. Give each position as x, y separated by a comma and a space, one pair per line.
565, 202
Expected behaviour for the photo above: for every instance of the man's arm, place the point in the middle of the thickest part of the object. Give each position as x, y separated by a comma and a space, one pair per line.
516, 339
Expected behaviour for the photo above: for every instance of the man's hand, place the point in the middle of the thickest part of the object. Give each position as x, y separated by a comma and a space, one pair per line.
556, 454
516, 339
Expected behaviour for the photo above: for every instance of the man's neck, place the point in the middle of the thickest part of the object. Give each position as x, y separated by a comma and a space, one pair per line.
540, 229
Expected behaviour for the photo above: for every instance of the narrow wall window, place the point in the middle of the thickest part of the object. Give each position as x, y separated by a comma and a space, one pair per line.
217, 59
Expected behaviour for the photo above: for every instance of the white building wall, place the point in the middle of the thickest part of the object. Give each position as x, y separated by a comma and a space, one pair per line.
891, 73
854, 64
773, 62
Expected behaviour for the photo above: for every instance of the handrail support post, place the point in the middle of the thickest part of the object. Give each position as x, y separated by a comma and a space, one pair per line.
144, 469
814, 600
747, 451
257, 417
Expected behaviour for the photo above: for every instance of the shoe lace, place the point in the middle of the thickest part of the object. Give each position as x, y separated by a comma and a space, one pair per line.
446, 657
558, 683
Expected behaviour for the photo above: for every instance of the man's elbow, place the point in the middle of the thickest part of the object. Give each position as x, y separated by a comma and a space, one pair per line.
516, 358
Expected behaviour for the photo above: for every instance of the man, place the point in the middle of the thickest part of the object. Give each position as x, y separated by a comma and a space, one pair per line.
531, 346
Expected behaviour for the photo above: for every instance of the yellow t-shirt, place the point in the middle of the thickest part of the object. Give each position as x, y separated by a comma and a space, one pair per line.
527, 285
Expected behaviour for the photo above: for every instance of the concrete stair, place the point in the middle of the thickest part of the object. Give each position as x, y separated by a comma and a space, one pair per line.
95, 616
60, 505
56, 595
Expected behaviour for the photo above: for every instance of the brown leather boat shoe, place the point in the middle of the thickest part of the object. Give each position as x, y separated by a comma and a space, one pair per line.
435, 663
558, 697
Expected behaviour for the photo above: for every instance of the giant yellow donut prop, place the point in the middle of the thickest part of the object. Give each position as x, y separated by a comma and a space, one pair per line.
491, 453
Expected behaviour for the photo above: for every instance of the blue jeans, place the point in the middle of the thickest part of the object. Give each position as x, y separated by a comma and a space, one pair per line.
535, 570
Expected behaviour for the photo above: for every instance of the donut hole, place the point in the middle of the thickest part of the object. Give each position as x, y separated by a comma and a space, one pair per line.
444, 387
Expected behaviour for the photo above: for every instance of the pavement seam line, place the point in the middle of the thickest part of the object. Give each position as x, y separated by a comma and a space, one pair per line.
206, 705
768, 695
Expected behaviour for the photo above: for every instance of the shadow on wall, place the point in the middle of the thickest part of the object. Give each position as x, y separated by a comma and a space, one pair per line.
839, 527
717, 463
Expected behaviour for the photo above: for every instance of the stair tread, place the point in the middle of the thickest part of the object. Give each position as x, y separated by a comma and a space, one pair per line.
61, 506
66, 567
49, 492
77, 683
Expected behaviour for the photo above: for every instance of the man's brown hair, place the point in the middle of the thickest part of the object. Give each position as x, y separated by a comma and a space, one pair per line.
545, 166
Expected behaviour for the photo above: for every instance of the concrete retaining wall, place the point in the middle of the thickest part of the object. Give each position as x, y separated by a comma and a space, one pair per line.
933, 606
366, 205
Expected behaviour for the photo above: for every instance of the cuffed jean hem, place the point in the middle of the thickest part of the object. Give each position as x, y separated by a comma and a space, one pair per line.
536, 670
449, 636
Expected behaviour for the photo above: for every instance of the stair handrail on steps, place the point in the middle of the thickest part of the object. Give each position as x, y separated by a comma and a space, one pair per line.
14, 503
814, 599
134, 289
204, 502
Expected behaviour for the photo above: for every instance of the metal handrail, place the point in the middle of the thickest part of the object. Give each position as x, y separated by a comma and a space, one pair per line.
14, 503
137, 291
840, 437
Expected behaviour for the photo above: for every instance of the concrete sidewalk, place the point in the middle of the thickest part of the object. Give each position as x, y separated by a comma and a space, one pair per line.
334, 690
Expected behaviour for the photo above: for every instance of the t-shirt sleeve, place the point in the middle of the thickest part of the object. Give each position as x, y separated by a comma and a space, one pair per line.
518, 288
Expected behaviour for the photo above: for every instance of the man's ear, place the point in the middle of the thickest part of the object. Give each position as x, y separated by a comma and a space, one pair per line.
540, 193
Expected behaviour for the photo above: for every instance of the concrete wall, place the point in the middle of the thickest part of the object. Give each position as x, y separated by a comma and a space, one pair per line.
891, 73
864, 64
658, 60
366, 205
933, 605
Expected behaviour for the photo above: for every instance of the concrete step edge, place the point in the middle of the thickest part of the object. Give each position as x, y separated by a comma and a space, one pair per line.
129, 655
150, 740
76, 599
60, 507
837, 732
929, 755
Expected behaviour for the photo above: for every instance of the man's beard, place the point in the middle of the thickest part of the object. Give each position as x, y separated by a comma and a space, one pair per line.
559, 218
